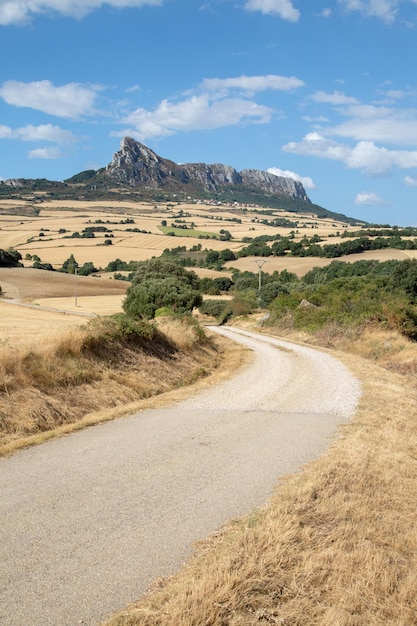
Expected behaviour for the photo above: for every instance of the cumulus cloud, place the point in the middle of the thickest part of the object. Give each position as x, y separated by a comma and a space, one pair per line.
45, 153
335, 98
43, 132
253, 84
314, 144
375, 139
410, 181
385, 10
70, 101
365, 155
388, 130
198, 112
369, 122
306, 181
215, 103
21, 11
368, 198
282, 8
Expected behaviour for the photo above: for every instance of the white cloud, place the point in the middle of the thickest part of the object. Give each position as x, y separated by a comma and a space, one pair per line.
326, 12
410, 181
45, 153
216, 103
306, 181
20, 11
396, 94
314, 144
368, 198
253, 84
385, 10
391, 131
70, 101
368, 122
282, 8
6, 132
374, 139
44, 132
365, 155
335, 98
199, 112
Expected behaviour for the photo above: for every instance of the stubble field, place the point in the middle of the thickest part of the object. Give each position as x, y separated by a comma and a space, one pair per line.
45, 229
49, 234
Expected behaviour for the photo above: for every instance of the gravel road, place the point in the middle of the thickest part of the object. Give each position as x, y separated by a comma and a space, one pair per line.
88, 521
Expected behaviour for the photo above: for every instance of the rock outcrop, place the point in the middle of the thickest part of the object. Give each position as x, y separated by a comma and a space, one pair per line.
136, 165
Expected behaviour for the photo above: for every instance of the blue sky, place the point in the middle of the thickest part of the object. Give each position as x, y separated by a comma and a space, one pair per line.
324, 91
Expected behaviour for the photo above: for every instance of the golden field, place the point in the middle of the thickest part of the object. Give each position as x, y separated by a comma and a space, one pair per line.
48, 235
302, 265
22, 324
23, 232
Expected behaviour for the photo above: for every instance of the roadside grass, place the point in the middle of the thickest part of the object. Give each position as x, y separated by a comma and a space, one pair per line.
336, 545
94, 373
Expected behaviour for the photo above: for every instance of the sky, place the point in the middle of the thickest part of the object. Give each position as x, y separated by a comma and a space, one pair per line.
323, 91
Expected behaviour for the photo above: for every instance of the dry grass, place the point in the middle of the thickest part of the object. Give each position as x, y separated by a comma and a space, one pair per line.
337, 543
84, 372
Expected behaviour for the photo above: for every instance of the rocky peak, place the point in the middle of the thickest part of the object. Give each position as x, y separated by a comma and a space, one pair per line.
137, 165
271, 183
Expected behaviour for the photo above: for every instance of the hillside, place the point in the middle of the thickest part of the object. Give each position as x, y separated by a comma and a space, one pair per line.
137, 173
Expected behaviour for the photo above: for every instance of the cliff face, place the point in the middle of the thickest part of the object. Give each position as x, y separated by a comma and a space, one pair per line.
136, 165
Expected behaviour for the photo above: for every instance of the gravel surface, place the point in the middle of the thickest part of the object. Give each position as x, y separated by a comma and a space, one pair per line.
88, 521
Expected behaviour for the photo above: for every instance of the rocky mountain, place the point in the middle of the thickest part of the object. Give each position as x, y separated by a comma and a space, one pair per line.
136, 165
138, 173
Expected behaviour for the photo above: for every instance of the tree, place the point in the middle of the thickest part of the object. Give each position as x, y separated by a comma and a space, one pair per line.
87, 269
10, 258
227, 255
162, 283
225, 235
69, 265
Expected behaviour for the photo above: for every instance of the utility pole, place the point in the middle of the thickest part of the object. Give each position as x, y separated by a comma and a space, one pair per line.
75, 282
260, 263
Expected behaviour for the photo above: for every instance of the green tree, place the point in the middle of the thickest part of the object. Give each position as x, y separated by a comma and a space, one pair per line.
161, 283
10, 258
69, 265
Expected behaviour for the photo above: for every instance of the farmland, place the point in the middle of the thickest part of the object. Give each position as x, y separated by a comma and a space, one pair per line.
132, 231
99, 232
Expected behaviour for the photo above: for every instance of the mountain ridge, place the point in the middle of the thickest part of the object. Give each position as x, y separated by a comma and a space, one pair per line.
136, 172
135, 164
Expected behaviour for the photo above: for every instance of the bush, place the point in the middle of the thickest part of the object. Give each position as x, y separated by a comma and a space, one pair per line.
144, 298
160, 283
214, 308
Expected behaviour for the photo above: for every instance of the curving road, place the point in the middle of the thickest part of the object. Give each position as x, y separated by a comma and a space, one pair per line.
88, 521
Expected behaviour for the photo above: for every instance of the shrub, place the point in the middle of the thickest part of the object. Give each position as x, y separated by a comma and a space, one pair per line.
214, 308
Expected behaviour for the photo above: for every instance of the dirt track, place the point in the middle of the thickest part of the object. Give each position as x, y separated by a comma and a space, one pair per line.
90, 520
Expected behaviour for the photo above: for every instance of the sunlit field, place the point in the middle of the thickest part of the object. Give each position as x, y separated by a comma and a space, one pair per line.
50, 234
301, 265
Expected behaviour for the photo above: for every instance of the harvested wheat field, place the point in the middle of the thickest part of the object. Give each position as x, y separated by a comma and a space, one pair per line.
26, 325
301, 265
27, 284
52, 230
